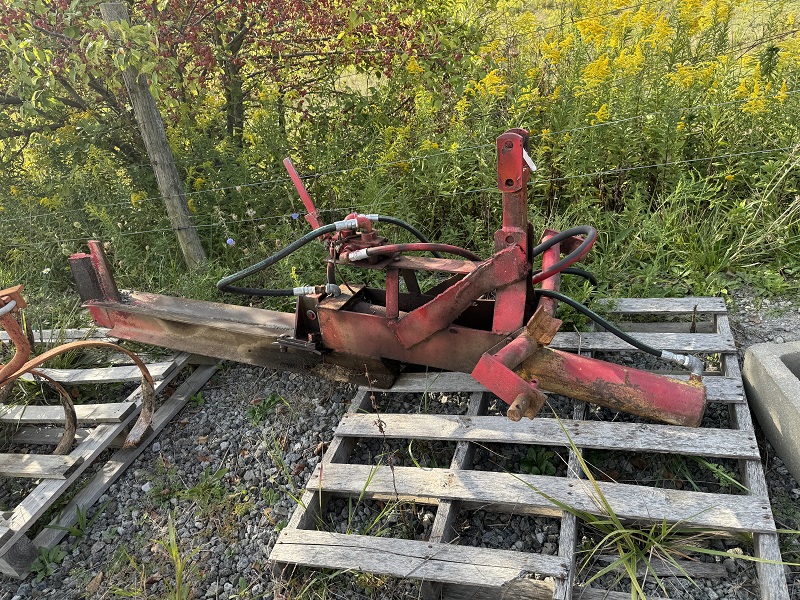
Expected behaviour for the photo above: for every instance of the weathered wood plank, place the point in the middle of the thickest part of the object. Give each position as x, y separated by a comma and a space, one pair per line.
718, 389
527, 494
693, 569
87, 413
104, 374
528, 589
599, 435
411, 559
123, 458
61, 336
568, 530
45, 436
671, 327
664, 306
675, 342
39, 500
771, 577
443, 530
37, 466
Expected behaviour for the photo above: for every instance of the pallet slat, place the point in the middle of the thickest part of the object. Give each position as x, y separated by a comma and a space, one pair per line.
45, 436
61, 336
633, 437
87, 413
37, 466
410, 558
603, 341
664, 306
528, 494
104, 374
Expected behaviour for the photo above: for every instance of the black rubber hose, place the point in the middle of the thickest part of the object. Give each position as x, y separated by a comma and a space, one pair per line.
224, 284
410, 228
600, 321
575, 271
587, 230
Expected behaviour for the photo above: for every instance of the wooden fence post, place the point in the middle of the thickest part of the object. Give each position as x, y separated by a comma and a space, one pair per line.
155, 141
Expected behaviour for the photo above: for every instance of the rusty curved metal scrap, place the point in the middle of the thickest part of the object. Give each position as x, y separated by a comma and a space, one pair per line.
21, 363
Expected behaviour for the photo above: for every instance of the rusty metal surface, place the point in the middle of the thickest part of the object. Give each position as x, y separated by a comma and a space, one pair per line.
455, 348
238, 333
616, 387
22, 348
507, 266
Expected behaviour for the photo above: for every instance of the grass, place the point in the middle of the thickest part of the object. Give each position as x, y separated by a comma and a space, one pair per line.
82, 521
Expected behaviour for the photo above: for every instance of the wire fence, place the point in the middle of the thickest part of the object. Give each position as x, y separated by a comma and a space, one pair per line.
223, 223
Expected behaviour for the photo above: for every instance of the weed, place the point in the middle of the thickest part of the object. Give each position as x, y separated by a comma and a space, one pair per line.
197, 400
209, 490
270, 495
539, 461
259, 411
178, 588
275, 452
82, 523
725, 478
47, 562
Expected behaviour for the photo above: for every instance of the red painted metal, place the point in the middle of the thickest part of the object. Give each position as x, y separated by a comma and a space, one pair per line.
617, 387
512, 179
312, 216
507, 266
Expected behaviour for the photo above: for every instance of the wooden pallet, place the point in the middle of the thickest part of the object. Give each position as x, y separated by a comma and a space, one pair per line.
102, 426
452, 571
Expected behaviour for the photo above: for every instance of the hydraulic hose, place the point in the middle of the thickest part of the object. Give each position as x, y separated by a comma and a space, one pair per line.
573, 257
224, 284
414, 247
410, 228
692, 363
575, 271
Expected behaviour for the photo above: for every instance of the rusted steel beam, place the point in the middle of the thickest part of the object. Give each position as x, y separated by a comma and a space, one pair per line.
507, 266
512, 180
616, 387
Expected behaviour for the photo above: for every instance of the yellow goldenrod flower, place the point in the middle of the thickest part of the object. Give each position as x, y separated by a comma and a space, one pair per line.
601, 116
192, 205
596, 72
428, 145
782, 95
413, 67
728, 177
629, 62
681, 125
137, 197
591, 30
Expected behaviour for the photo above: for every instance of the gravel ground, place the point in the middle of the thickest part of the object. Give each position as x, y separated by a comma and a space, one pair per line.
224, 474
